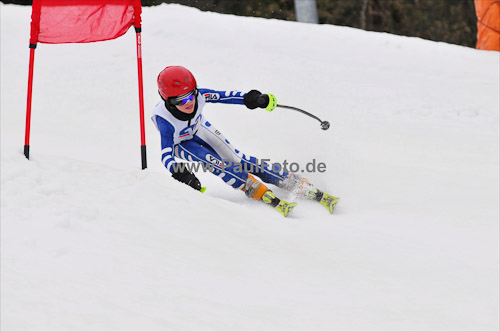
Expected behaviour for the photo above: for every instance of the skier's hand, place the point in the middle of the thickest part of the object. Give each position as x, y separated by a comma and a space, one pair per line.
254, 99
188, 178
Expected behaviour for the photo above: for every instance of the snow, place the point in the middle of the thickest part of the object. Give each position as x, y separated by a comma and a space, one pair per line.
91, 242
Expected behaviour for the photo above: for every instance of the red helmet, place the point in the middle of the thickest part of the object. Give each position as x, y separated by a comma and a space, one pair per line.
175, 81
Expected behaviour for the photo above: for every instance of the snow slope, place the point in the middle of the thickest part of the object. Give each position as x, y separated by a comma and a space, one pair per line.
91, 242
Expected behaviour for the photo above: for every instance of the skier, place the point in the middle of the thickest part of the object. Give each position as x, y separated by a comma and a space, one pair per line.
186, 134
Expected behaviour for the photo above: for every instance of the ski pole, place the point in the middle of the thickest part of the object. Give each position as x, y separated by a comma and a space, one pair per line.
324, 124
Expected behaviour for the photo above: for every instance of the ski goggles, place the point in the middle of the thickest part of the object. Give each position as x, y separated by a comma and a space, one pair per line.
184, 99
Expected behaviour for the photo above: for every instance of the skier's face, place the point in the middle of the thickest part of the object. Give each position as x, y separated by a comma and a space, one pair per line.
187, 108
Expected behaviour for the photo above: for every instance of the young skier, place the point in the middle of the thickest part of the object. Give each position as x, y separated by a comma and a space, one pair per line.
186, 134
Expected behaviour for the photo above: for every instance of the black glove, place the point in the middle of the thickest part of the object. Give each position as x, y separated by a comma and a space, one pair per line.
254, 99
184, 176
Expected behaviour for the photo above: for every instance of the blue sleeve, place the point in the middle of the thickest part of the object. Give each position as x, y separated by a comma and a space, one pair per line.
225, 97
167, 142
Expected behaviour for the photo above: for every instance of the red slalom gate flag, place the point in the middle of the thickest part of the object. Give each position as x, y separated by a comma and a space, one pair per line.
84, 21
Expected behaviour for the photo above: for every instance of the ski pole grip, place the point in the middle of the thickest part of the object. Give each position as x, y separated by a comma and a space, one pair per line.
273, 102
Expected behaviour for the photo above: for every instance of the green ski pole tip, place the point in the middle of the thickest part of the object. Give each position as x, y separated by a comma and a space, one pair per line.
203, 189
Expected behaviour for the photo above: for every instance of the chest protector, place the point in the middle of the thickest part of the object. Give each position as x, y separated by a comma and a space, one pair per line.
183, 130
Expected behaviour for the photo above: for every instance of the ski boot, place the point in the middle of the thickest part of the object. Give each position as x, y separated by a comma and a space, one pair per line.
257, 190
329, 201
302, 187
281, 206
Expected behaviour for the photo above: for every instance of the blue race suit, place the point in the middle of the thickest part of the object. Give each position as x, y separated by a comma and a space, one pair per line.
198, 140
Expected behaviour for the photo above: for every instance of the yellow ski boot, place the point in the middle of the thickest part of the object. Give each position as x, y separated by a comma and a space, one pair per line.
281, 206
257, 190
329, 202
303, 188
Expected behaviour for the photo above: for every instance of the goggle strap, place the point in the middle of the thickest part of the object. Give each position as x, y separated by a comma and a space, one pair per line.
179, 98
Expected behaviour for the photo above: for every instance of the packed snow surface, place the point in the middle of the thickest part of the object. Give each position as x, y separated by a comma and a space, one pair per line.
91, 242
